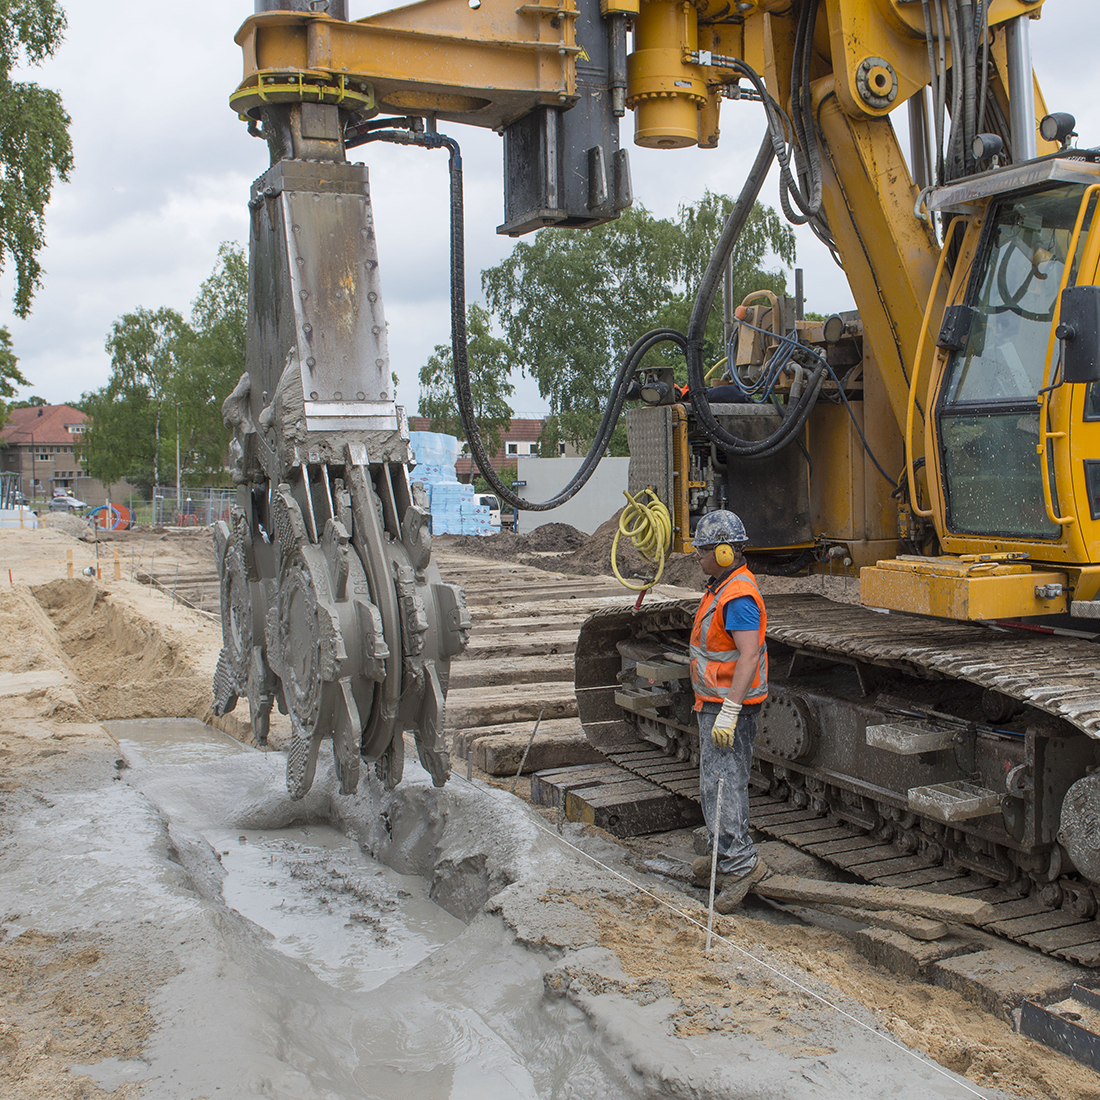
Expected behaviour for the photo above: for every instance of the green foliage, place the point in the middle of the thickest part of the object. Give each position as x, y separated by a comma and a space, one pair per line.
120, 440
168, 381
148, 350
215, 363
490, 361
35, 148
32, 402
571, 302
10, 374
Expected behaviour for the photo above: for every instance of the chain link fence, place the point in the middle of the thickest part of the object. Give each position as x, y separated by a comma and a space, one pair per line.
193, 507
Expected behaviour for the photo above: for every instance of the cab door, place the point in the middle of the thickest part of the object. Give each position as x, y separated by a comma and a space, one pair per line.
987, 413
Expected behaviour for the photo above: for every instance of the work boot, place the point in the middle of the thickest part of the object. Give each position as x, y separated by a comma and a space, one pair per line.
735, 887
700, 869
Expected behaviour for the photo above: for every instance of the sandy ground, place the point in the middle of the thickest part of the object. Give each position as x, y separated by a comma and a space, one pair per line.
86, 978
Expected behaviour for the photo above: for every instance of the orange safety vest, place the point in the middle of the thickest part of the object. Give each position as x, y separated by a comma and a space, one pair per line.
713, 651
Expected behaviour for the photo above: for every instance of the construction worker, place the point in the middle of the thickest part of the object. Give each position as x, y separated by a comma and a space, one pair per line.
729, 673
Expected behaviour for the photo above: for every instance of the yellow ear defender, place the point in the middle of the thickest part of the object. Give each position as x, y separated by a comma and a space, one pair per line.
724, 555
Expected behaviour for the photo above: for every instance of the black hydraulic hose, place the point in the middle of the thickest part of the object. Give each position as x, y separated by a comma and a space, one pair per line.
786, 433
691, 345
462, 372
459, 340
970, 91
802, 103
956, 141
983, 31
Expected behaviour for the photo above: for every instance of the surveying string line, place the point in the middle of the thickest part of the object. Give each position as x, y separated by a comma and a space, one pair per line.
877, 1032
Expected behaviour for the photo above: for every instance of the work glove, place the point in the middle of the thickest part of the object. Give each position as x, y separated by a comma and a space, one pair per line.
725, 725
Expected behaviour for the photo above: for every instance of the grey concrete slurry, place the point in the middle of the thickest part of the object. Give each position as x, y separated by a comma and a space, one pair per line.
383, 945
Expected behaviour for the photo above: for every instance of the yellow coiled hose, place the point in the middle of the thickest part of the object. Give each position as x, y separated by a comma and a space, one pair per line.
649, 526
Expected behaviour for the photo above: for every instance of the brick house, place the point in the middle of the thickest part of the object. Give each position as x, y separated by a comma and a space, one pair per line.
40, 444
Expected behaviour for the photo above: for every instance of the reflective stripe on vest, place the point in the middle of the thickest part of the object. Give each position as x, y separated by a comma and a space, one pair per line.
712, 669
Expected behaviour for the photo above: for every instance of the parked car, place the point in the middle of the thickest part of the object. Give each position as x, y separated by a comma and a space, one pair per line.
67, 503
489, 500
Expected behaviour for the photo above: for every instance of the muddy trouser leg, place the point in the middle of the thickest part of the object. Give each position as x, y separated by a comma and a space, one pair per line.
736, 854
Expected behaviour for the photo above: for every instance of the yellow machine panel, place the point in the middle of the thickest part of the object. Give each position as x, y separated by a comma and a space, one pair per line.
948, 588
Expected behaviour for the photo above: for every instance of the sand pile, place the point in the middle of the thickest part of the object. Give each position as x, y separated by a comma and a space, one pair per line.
67, 524
126, 666
575, 552
593, 558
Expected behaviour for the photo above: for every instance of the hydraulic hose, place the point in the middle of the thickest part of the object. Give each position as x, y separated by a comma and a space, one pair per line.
691, 344
786, 433
459, 338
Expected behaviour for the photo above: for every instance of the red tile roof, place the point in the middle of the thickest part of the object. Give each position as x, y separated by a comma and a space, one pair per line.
43, 424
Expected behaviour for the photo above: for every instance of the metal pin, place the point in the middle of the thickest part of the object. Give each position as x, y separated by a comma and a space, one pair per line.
714, 860
530, 741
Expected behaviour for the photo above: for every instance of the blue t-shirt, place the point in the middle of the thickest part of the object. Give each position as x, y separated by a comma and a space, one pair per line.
742, 614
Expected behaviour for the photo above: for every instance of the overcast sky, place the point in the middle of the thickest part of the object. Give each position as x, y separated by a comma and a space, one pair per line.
163, 168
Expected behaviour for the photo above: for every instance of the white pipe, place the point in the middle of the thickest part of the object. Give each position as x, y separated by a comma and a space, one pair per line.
714, 860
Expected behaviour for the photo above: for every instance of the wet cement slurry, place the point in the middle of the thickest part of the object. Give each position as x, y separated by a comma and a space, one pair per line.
437, 944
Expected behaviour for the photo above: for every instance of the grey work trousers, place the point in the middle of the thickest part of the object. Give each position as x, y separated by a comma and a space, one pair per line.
736, 854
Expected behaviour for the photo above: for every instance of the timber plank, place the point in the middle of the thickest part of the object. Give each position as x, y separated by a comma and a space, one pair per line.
1072, 935
830, 848
963, 886
798, 831
765, 821
908, 924
495, 672
1087, 954
858, 895
855, 858
821, 836
1023, 907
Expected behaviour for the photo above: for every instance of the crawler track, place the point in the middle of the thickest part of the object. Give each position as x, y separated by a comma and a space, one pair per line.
1059, 677
1030, 920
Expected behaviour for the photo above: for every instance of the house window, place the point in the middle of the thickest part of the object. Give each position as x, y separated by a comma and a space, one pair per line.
42, 456
533, 448
513, 448
561, 448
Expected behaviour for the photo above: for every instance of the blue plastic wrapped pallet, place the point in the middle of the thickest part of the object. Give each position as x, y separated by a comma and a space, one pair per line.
454, 511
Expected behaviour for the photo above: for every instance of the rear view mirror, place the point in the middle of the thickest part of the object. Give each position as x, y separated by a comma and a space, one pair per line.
1079, 331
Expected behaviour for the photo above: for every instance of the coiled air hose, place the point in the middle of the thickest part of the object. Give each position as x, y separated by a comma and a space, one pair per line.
649, 526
